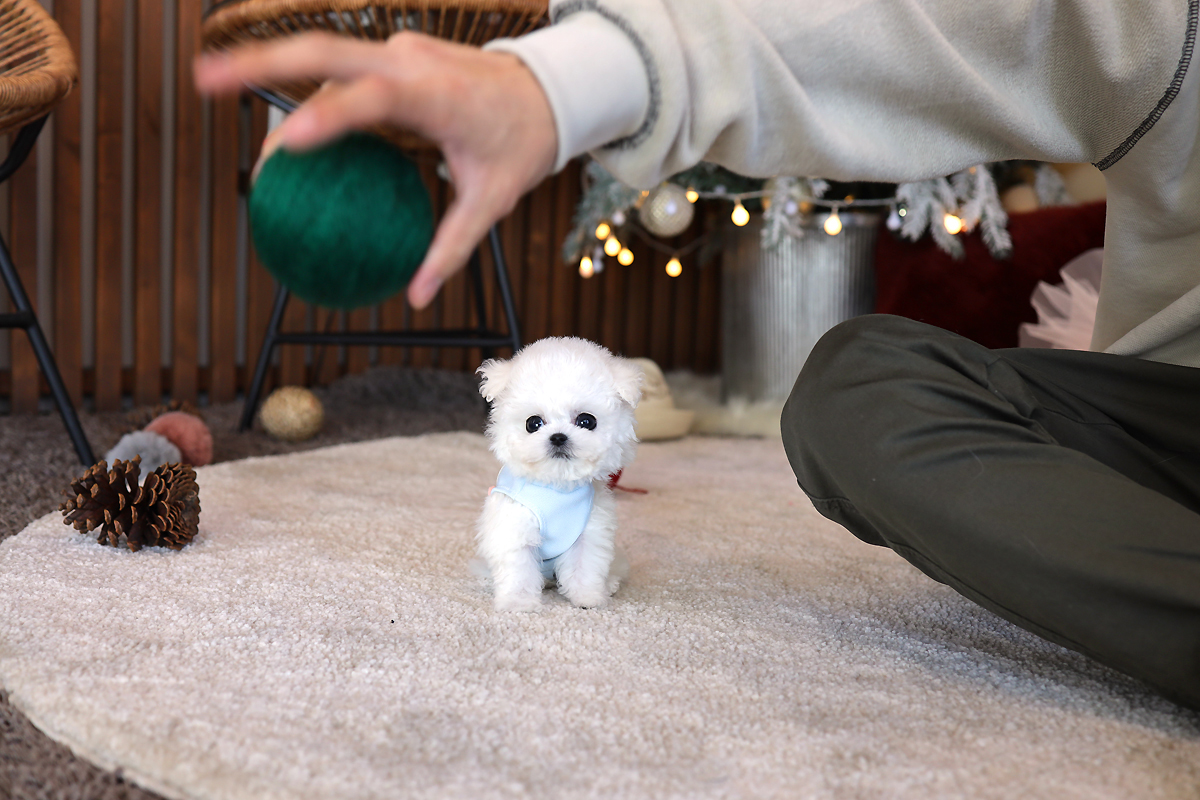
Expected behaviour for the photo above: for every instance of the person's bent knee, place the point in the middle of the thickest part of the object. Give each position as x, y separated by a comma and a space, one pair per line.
856, 370
860, 350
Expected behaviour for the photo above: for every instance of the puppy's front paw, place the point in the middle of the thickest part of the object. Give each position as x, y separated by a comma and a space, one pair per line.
517, 601
586, 599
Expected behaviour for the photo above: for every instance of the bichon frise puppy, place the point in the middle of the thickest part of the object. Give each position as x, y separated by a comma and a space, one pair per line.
561, 422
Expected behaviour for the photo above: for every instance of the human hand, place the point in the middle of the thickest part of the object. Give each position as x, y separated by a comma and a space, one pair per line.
485, 110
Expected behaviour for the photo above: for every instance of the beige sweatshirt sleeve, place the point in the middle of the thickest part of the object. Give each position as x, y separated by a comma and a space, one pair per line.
888, 90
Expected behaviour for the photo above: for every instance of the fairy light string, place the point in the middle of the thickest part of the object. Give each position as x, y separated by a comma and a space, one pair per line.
945, 207
613, 247
797, 206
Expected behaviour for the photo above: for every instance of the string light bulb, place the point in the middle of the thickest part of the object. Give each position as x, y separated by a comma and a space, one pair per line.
692, 195
833, 223
603, 230
625, 257
586, 268
954, 224
612, 246
893, 220
740, 215
674, 268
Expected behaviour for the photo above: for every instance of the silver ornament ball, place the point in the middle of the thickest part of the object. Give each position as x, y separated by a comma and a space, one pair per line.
667, 211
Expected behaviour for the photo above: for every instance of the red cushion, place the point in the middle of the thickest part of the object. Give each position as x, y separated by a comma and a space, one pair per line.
978, 296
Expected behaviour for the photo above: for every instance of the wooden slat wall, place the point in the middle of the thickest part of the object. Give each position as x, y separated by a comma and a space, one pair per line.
110, 52
188, 142
22, 242
69, 335
224, 248
148, 196
194, 275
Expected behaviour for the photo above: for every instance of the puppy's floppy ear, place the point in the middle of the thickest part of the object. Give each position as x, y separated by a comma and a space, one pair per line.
627, 377
495, 377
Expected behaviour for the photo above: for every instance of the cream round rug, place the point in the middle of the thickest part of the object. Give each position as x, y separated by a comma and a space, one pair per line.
324, 638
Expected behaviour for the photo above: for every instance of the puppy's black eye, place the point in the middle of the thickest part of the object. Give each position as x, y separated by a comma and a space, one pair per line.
533, 423
586, 421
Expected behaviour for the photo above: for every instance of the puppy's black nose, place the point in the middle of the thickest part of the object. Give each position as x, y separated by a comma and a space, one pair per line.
558, 439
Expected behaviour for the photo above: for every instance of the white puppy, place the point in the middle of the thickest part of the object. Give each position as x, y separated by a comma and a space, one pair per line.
561, 422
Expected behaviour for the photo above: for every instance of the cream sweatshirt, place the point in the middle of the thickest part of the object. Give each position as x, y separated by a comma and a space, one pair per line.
898, 90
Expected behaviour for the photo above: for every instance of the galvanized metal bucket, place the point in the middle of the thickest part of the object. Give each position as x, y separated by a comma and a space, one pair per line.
777, 302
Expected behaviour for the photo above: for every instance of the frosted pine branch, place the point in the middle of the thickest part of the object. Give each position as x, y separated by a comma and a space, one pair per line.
927, 203
1049, 187
604, 197
970, 195
993, 219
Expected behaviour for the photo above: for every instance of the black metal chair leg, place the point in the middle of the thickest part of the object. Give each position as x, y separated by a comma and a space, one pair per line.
270, 339
475, 268
26, 319
21, 147
66, 409
506, 298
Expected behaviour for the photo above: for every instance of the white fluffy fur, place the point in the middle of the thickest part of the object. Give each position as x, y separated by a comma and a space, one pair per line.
557, 379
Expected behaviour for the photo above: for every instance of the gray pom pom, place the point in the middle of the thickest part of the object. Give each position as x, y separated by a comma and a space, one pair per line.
154, 449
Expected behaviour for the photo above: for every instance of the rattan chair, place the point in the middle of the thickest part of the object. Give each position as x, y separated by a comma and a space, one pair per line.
37, 70
471, 22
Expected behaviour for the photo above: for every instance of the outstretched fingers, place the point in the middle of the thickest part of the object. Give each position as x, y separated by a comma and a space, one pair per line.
335, 110
462, 228
485, 110
309, 56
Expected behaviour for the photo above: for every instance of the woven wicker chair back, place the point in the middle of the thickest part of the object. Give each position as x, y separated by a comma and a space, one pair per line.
37, 69
472, 22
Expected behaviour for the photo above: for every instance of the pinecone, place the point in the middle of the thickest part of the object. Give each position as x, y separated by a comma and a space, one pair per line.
164, 511
178, 504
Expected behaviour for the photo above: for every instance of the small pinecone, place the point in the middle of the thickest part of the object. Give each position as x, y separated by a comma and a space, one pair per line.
141, 417
97, 499
164, 511
178, 504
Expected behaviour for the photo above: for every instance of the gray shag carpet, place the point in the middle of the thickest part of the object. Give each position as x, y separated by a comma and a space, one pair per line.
40, 463
950, 701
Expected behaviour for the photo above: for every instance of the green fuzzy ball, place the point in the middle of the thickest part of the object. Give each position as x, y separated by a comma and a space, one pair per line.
342, 226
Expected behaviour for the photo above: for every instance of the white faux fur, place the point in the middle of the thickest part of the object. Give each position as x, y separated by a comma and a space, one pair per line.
154, 449
719, 416
322, 638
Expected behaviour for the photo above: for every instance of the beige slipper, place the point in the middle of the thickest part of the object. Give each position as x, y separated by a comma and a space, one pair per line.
657, 416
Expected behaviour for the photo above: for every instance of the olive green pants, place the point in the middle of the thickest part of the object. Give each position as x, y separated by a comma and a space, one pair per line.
1059, 489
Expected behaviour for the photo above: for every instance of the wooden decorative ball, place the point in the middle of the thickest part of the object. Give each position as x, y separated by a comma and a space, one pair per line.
293, 414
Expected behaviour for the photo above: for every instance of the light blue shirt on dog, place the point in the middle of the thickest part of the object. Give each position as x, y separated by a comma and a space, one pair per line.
561, 516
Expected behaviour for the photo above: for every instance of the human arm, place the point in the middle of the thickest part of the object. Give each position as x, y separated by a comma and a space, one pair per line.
875, 90
886, 90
